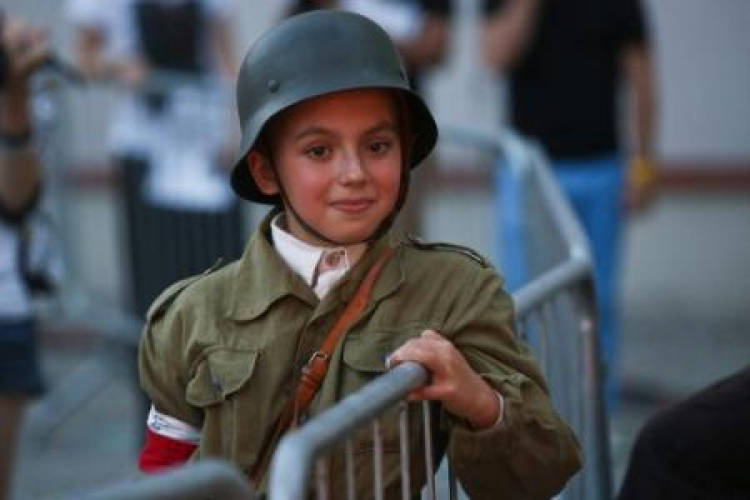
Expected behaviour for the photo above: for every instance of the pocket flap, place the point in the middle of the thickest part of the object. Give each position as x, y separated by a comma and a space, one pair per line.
359, 358
367, 351
221, 373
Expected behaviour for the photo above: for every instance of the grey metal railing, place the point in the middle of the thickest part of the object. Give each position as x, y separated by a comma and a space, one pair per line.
208, 479
556, 313
291, 465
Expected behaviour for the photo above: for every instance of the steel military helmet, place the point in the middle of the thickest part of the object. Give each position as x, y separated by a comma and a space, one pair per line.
314, 54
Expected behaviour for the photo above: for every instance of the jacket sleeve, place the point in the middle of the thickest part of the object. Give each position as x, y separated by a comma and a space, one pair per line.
532, 453
163, 360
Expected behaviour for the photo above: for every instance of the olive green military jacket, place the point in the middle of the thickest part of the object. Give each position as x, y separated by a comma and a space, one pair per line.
222, 352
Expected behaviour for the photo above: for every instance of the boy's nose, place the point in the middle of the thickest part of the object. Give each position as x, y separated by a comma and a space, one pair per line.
352, 168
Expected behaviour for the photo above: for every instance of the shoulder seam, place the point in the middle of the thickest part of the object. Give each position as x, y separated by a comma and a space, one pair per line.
450, 247
171, 293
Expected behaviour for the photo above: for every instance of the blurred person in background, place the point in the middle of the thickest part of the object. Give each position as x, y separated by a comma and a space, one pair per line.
564, 62
171, 134
22, 50
421, 29
423, 33
698, 449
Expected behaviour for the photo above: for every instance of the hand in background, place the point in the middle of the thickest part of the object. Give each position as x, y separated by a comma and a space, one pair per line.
642, 184
25, 50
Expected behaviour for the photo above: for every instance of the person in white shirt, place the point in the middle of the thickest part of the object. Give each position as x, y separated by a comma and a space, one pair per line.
171, 61
22, 50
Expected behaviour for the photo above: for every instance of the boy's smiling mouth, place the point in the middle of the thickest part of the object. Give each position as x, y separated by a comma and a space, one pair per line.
353, 205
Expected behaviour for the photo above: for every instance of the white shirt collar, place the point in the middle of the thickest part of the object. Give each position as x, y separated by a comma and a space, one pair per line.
303, 258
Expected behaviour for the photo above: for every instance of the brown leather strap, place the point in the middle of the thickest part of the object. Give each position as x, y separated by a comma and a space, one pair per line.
316, 368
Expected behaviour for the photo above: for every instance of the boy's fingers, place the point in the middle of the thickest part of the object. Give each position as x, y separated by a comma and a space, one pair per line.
414, 350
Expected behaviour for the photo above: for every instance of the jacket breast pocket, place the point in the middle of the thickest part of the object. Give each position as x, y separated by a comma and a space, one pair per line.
219, 385
367, 351
364, 359
219, 375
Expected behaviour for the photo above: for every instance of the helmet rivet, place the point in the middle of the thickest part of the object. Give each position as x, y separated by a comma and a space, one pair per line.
273, 85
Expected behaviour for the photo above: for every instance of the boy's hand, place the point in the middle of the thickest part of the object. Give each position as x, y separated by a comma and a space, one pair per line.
461, 390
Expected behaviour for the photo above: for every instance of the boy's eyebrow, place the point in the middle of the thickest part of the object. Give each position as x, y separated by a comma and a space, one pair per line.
385, 125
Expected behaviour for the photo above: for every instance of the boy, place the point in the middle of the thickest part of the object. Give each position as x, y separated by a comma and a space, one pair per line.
330, 134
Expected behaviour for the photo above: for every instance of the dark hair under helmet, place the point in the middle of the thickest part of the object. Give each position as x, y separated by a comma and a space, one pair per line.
314, 54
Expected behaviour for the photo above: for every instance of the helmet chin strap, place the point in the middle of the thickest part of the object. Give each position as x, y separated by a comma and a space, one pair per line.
307, 227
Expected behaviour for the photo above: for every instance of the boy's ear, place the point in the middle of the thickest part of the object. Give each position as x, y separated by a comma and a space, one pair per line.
263, 174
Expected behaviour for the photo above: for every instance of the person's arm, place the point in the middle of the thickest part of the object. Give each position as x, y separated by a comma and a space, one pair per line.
430, 46
512, 446
642, 172
222, 47
25, 49
506, 30
173, 427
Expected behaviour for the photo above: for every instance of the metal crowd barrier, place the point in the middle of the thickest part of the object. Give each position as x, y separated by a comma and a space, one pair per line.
205, 480
555, 314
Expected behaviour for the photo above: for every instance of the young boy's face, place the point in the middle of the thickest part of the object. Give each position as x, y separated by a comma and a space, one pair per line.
338, 160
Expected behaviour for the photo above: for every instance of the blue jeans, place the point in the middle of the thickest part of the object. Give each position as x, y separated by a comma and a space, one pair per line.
595, 190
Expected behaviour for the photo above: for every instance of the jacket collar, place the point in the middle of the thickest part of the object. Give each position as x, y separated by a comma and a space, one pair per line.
262, 277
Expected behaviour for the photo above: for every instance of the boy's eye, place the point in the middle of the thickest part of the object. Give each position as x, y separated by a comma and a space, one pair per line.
380, 146
316, 152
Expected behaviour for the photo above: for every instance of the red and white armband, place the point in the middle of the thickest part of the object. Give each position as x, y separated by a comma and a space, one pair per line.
169, 442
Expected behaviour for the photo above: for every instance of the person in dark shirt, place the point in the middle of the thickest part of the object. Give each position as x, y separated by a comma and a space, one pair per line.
423, 48
564, 61
697, 449
422, 31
